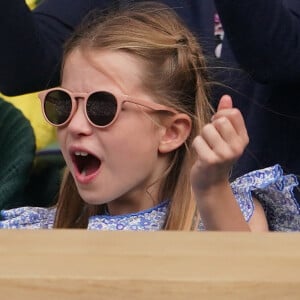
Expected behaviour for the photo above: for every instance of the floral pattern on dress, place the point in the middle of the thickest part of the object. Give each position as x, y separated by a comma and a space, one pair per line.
27, 218
151, 219
275, 192
273, 189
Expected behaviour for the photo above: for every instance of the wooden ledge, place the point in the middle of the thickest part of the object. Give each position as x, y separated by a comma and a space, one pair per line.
80, 264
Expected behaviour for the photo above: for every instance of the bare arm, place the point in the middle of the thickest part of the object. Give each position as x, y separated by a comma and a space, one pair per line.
258, 221
220, 144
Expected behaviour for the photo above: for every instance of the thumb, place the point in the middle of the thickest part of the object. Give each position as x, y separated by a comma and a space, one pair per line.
225, 102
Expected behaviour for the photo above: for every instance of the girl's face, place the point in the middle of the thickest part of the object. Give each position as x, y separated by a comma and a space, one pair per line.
119, 164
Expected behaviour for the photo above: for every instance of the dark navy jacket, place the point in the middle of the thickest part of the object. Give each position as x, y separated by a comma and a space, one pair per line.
262, 37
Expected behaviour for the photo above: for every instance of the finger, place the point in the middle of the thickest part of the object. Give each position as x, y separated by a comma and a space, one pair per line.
223, 140
215, 141
225, 103
230, 136
203, 150
236, 119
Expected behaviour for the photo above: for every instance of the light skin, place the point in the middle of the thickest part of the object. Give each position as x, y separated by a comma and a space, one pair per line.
218, 147
123, 178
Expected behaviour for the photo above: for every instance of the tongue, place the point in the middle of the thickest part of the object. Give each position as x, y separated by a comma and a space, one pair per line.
90, 165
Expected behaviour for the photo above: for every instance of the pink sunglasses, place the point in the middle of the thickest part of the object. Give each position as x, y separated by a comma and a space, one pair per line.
101, 107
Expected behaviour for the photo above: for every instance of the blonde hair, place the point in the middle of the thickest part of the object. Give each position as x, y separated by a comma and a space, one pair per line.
174, 72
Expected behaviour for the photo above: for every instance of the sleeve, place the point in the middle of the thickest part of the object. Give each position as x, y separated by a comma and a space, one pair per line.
27, 218
264, 36
275, 191
31, 41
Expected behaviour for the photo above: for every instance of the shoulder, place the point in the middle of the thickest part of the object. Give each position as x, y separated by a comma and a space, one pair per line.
27, 218
275, 193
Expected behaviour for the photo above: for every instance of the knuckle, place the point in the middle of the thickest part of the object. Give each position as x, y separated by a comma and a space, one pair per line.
237, 149
206, 129
235, 112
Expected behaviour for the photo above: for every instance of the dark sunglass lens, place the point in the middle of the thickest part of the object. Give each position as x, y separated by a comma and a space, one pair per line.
57, 106
101, 108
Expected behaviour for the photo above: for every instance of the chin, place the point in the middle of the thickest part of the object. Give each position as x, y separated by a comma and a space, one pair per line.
92, 199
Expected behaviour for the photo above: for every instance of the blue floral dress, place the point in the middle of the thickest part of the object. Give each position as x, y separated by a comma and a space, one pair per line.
273, 189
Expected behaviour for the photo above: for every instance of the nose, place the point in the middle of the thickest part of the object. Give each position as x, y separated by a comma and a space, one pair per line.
79, 124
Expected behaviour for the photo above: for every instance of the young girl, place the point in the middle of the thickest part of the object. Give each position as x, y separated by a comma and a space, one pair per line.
143, 151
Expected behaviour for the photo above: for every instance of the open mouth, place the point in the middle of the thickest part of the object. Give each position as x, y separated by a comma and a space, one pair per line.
86, 164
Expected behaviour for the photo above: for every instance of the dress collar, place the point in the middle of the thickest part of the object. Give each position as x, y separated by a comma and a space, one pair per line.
147, 220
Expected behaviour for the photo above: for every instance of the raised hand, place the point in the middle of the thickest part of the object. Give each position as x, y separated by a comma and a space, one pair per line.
219, 145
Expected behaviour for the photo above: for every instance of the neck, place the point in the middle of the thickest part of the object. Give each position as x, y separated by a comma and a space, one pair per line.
127, 206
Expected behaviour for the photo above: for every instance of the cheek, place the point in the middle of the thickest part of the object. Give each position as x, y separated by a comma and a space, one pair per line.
133, 136
60, 135
61, 138
141, 127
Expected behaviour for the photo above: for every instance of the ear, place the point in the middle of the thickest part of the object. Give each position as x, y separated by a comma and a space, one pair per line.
176, 130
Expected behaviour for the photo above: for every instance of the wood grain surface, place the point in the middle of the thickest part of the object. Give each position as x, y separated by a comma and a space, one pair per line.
80, 264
